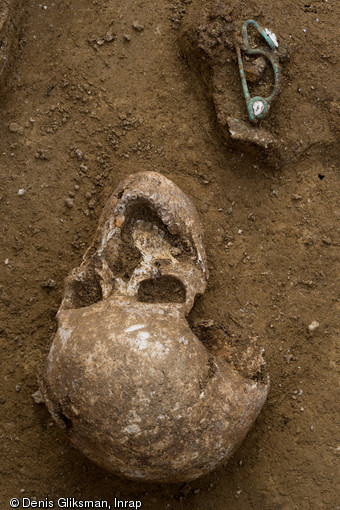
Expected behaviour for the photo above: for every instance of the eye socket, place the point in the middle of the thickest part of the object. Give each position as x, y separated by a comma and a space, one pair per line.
86, 292
166, 289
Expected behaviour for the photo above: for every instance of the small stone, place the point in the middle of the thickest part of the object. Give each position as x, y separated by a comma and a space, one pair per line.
137, 26
18, 387
76, 187
185, 489
79, 154
126, 37
91, 204
71, 194
302, 409
42, 154
255, 68
14, 127
313, 326
109, 36
88, 195
37, 397
83, 168
21, 192
69, 202
120, 220
241, 131
197, 491
296, 197
48, 284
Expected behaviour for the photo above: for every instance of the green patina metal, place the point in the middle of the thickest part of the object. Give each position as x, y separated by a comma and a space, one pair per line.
258, 107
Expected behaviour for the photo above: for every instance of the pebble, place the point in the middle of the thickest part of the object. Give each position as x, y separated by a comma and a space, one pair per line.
137, 26
83, 168
79, 154
76, 187
15, 128
49, 284
255, 68
37, 397
69, 202
120, 220
185, 489
18, 387
21, 191
88, 195
313, 326
92, 203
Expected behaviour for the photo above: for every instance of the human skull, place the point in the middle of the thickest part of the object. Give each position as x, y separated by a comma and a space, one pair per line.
126, 378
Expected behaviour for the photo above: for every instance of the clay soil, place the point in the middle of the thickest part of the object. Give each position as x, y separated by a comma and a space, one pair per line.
89, 99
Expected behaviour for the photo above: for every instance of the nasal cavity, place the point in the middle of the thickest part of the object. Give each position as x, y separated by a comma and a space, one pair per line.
165, 289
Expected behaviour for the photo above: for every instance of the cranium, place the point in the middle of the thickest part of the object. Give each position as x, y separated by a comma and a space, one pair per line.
126, 378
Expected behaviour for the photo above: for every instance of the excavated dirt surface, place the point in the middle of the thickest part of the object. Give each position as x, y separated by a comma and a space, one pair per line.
99, 90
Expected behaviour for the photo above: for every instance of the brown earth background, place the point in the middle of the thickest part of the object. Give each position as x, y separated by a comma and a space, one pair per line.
89, 99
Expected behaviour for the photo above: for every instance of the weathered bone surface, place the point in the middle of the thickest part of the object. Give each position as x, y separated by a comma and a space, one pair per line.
128, 380
10, 14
